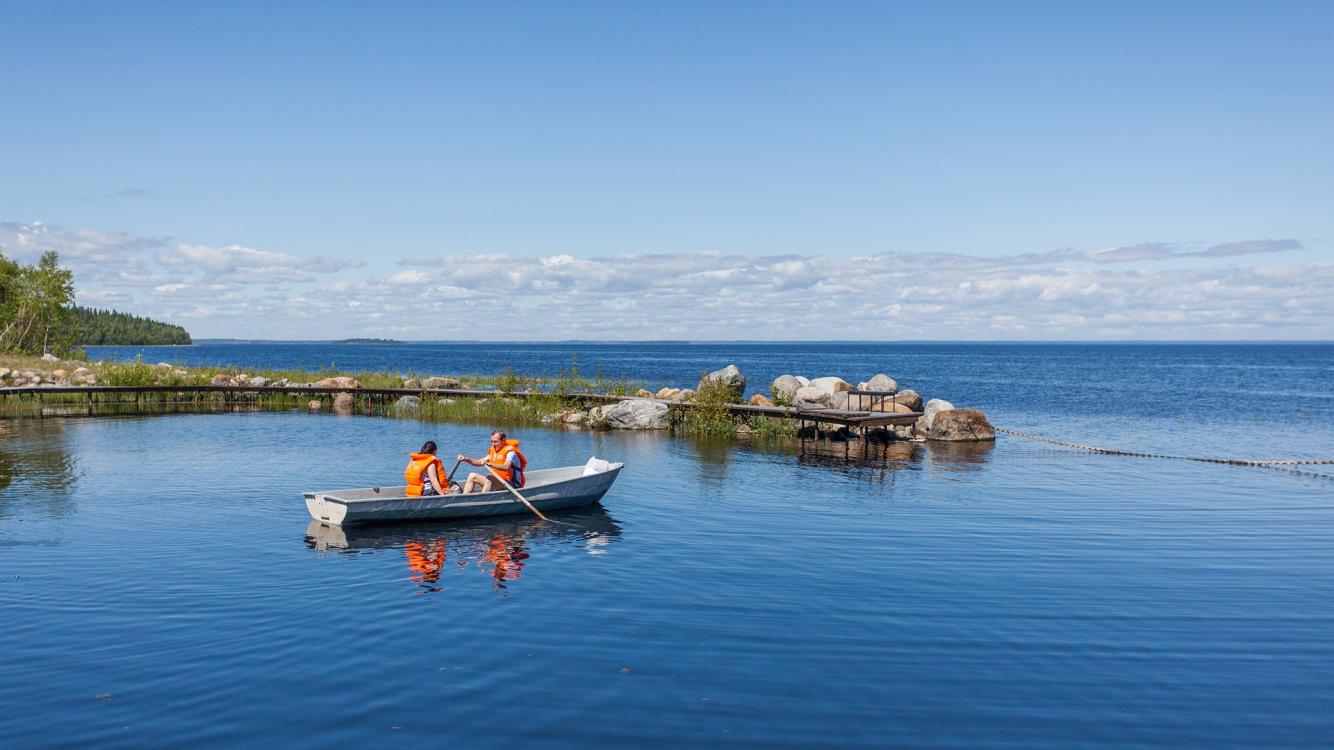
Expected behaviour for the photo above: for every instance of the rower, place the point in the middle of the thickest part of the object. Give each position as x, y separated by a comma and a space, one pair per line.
425, 474
504, 458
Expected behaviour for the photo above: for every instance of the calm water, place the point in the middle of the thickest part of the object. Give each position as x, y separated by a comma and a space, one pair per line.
160, 582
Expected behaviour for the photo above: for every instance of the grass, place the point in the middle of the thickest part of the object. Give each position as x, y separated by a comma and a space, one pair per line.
711, 415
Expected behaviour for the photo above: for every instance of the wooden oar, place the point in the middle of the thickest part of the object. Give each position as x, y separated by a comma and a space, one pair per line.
516, 493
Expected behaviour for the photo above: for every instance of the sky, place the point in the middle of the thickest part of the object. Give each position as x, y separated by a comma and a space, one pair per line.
768, 170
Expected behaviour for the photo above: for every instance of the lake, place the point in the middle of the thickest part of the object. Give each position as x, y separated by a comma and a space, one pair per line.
162, 582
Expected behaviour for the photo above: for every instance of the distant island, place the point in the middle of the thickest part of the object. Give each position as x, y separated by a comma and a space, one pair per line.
368, 341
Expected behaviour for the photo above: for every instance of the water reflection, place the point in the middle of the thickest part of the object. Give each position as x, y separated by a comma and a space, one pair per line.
499, 548
35, 455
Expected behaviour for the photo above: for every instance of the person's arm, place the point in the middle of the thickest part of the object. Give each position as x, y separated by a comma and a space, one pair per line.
433, 475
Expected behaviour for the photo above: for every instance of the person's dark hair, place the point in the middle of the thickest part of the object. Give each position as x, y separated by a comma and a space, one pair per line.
501, 434
428, 447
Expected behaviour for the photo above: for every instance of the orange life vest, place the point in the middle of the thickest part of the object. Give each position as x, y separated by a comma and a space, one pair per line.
498, 459
418, 463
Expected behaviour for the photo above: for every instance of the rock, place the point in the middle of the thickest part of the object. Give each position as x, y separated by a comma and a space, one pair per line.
634, 414
744, 429
82, 372
643, 393
407, 405
894, 408
313, 404
343, 403
4, 372
882, 382
180, 373
412, 383
433, 383
686, 394
839, 400
220, 379
729, 376
831, 385
575, 418
760, 399
669, 394
49, 357
785, 387
959, 425
803, 380
59, 374
258, 381
908, 397
283, 383
934, 407
809, 396
342, 381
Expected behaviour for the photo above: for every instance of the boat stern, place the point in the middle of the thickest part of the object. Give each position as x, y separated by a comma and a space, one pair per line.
324, 510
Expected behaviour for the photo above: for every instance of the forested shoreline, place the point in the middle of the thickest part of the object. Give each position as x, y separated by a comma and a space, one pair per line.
38, 314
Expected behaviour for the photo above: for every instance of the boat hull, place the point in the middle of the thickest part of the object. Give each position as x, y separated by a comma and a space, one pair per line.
349, 508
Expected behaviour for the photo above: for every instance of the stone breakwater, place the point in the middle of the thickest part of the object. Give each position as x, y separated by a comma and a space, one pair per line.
790, 396
937, 419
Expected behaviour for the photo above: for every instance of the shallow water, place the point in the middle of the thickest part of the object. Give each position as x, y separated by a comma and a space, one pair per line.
160, 583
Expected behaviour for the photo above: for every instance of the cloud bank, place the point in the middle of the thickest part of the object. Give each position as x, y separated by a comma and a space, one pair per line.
1150, 290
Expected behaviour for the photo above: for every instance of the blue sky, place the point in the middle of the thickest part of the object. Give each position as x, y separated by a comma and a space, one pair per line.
326, 170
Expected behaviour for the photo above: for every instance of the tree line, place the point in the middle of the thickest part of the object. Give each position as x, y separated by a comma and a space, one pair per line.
38, 314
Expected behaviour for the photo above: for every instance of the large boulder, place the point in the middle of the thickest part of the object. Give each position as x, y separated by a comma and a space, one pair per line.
803, 380
313, 404
342, 381
412, 383
729, 376
220, 379
961, 425
808, 396
668, 394
343, 403
840, 400
257, 381
4, 372
574, 418
934, 407
909, 398
785, 387
49, 357
882, 382
644, 393
831, 384
407, 405
434, 383
759, 399
633, 414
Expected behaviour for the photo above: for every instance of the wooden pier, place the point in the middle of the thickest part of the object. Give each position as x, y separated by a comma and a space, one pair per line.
858, 420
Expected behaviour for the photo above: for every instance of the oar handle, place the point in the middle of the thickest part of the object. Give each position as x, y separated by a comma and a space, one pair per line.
451, 471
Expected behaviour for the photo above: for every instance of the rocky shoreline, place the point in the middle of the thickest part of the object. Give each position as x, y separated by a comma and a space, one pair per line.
937, 419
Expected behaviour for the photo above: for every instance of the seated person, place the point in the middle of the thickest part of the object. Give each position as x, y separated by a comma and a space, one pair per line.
504, 458
425, 474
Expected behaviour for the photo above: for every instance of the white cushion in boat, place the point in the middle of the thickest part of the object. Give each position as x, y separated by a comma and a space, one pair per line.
596, 465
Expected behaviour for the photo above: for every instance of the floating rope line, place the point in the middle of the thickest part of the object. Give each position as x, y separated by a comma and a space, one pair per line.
1260, 463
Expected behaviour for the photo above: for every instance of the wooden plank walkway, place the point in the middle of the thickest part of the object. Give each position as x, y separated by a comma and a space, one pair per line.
861, 420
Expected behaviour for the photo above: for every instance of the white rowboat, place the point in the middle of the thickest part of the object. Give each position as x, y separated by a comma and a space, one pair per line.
547, 489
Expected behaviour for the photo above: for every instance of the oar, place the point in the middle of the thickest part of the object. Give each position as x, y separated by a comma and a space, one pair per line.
449, 481
531, 507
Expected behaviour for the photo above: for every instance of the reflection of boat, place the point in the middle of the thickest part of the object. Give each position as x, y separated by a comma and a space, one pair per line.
592, 523
500, 547
548, 489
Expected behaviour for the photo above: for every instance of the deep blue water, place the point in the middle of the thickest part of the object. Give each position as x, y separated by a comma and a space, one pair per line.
160, 582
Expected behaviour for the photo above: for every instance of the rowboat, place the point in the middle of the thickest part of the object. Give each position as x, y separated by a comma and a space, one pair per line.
546, 489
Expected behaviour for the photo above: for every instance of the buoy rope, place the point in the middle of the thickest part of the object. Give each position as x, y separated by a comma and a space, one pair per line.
1262, 463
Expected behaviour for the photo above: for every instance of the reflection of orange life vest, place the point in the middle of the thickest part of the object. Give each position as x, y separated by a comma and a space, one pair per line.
498, 459
416, 472
425, 562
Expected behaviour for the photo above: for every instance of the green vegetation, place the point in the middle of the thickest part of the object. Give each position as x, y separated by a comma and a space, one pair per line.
35, 306
711, 414
101, 327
